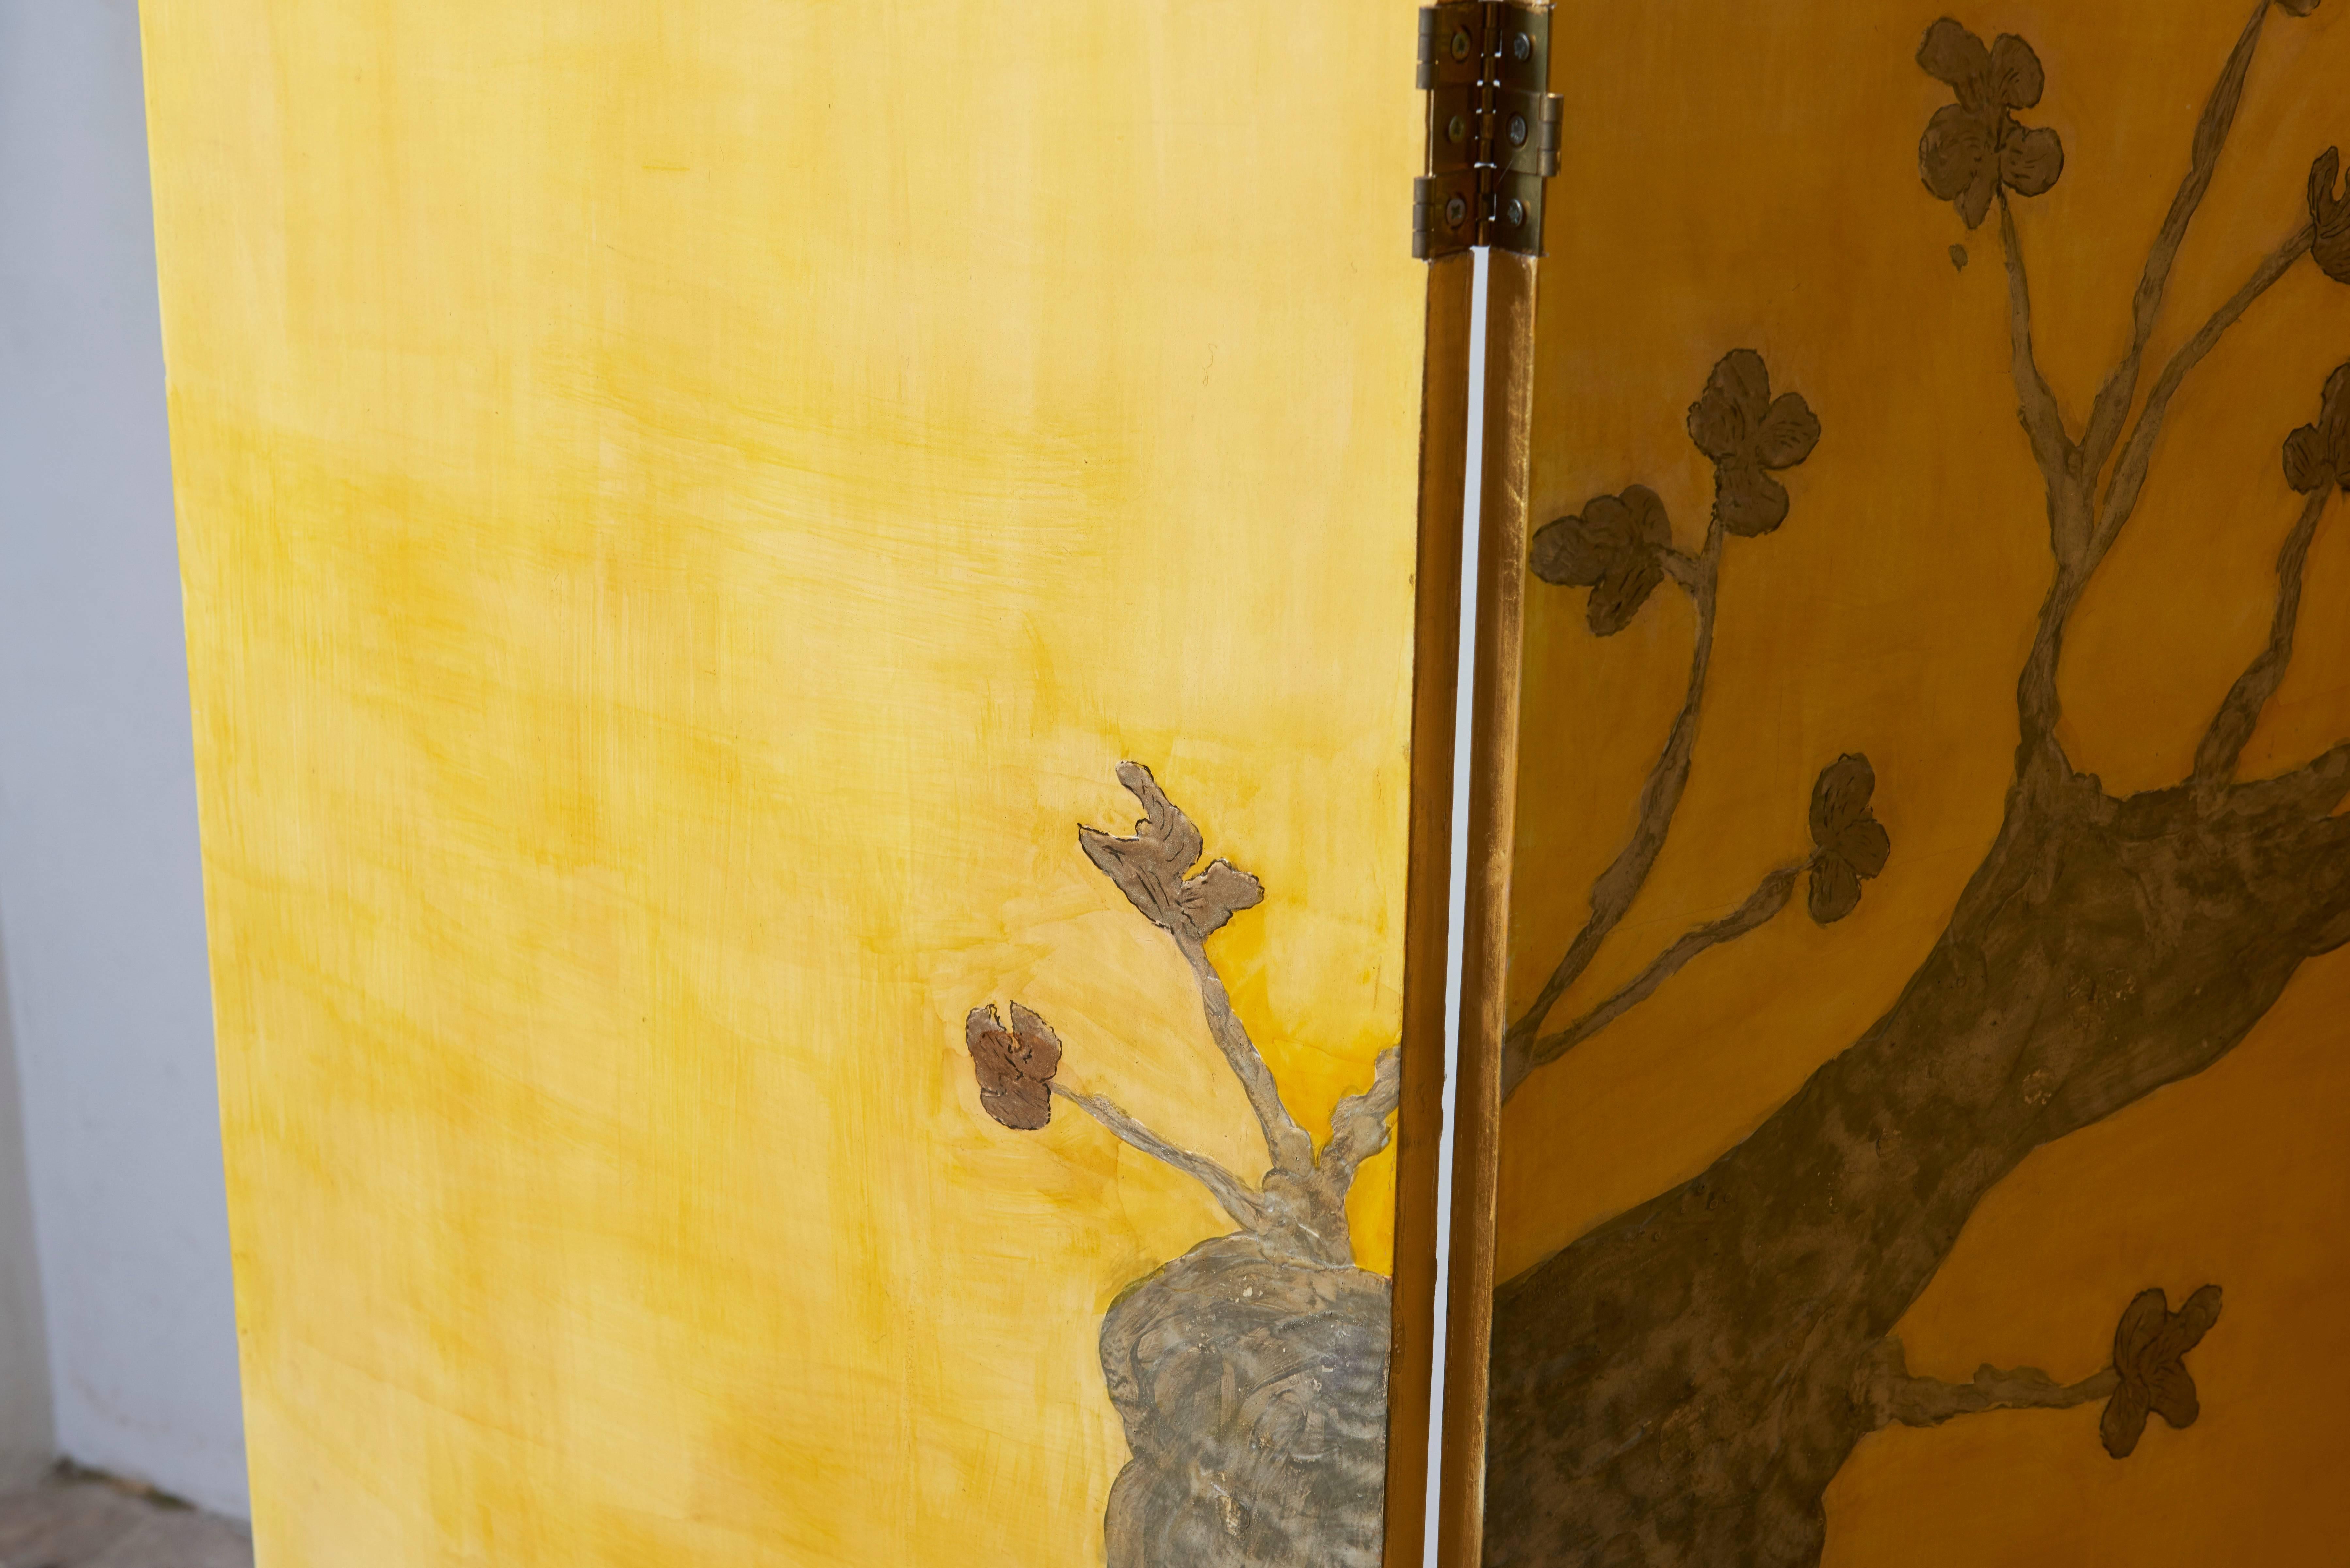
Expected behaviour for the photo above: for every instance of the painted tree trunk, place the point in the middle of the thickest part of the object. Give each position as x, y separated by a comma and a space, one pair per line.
1252, 1385
1676, 1388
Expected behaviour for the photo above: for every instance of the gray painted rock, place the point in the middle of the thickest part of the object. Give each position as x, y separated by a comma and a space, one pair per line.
1253, 1389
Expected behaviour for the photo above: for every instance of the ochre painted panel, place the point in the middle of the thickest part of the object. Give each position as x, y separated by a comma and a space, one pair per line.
1928, 770
687, 506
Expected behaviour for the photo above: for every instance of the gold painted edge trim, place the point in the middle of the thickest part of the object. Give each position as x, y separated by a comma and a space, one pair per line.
1510, 296
1435, 689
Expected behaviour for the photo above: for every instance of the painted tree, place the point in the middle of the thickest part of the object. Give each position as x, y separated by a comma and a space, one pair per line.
1251, 1373
1680, 1386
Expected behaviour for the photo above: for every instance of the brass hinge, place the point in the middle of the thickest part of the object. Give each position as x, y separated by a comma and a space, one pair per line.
1493, 127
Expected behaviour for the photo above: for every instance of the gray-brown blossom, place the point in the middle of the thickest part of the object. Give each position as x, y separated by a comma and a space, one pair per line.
2329, 216
1974, 146
2318, 454
1852, 845
2150, 1348
1749, 433
1153, 868
1015, 1065
1614, 547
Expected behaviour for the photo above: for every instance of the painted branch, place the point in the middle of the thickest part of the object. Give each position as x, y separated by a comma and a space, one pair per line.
2219, 118
1688, 571
2239, 712
1359, 1126
1613, 892
2137, 453
2043, 420
1153, 867
1518, 1058
2317, 786
2039, 756
1886, 1389
1238, 1200
1287, 1143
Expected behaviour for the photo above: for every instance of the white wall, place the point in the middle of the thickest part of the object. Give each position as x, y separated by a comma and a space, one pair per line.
101, 919
28, 1437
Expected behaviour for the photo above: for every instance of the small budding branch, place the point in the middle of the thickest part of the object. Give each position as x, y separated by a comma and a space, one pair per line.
1621, 548
1298, 1207
2148, 1375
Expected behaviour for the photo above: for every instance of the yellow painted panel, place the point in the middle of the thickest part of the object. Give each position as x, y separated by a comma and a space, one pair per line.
1748, 178
685, 505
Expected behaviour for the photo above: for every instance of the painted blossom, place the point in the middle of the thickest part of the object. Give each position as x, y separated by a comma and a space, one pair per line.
1852, 845
1974, 146
1747, 433
2317, 456
2150, 1350
2329, 216
1614, 547
1014, 1067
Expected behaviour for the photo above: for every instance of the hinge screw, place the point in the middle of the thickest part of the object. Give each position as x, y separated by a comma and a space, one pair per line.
1517, 131
1454, 211
1522, 45
1457, 130
1517, 212
1460, 44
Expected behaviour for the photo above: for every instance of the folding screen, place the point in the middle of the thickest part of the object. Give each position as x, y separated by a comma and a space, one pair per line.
803, 622
1915, 749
